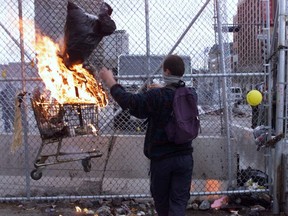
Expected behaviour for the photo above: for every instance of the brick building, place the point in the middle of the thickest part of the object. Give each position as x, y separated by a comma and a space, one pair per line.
247, 44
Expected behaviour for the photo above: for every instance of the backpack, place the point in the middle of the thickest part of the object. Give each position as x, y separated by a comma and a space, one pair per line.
184, 124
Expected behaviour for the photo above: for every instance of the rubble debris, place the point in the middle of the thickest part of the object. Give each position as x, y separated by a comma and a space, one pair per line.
219, 202
250, 204
205, 205
252, 175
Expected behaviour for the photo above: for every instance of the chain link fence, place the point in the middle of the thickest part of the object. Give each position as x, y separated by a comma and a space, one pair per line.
224, 53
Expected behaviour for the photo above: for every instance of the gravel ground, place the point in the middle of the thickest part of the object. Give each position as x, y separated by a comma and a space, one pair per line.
68, 209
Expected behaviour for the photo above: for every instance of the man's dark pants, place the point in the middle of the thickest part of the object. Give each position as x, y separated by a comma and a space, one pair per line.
170, 184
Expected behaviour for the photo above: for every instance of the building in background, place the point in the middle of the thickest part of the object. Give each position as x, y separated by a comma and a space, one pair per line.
214, 57
249, 42
114, 46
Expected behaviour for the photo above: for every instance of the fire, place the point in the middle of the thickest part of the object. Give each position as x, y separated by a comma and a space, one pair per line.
212, 185
85, 211
78, 209
66, 86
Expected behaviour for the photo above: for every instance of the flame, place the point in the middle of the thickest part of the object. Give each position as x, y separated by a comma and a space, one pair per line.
85, 210
212, 185
78, 209
66, 86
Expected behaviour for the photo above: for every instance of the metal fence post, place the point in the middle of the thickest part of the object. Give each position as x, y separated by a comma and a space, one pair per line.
23, 108
279, 105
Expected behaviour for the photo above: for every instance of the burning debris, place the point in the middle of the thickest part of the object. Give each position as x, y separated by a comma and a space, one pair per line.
66, 86
56, 120
60, 66
49, 117
72, 96
76, 91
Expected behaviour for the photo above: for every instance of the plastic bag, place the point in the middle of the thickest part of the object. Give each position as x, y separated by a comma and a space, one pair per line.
83, 32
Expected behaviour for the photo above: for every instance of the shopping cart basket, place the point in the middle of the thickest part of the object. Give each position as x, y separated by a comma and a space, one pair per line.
57, 121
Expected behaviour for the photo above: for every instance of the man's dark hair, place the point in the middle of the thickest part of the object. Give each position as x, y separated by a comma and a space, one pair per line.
175, 64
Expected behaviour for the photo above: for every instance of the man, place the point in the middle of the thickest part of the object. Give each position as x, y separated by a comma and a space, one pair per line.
171, 165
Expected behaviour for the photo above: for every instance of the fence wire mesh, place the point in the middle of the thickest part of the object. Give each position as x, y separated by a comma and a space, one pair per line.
224, 46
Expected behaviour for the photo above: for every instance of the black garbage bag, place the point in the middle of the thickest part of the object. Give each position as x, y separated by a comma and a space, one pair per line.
254, 174
83, 32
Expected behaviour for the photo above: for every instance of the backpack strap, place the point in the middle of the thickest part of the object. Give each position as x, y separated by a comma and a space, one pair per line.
174, 87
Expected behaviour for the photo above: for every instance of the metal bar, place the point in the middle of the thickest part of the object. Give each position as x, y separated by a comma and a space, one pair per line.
155, 76
131, 77
179, 40
281, 70
109, 152
13, 199
269, 83
14, 40
135, 77
147, 22
171, 51
227, 111
275, 31
79, 111
24, 108
279, 106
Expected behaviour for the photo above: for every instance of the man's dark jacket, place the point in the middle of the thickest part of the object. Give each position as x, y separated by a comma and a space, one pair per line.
156, 105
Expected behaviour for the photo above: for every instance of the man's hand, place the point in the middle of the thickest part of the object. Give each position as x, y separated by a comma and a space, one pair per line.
107, 76
154, 85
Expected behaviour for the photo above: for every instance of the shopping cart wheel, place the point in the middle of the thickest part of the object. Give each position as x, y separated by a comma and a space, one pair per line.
36, 174
86, 163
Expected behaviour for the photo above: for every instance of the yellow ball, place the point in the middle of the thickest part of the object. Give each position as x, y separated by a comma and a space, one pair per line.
254, 97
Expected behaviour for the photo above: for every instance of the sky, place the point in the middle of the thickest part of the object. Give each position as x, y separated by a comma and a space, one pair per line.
10, 52
167, 21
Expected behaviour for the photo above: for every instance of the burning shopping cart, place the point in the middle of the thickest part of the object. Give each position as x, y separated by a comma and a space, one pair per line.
76, 97
58, 121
